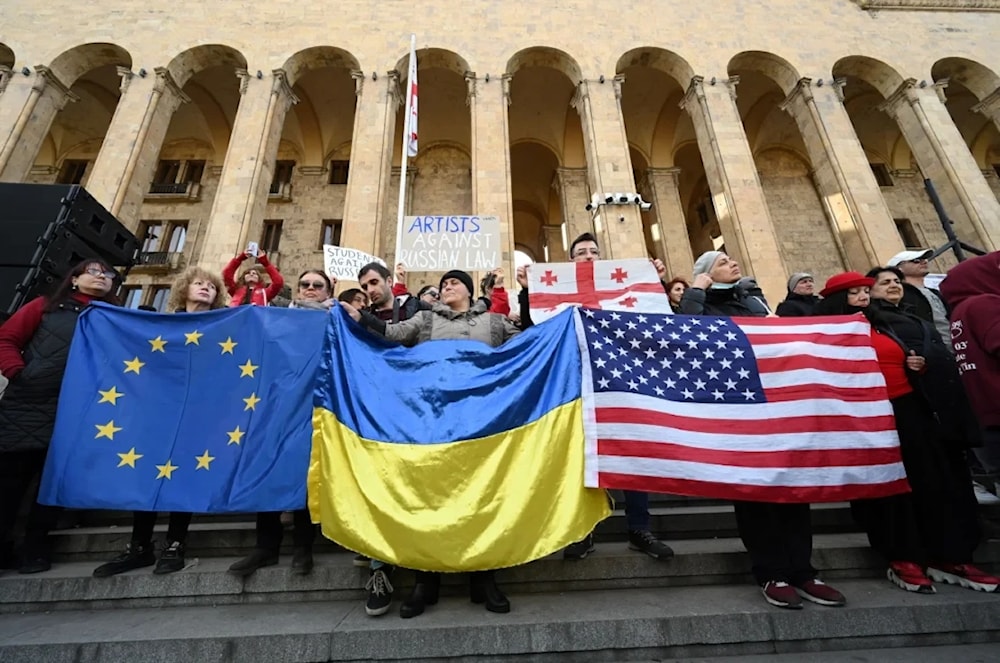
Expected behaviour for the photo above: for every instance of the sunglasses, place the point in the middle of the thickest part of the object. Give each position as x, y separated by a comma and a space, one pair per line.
315, 285
918, 260
432, 293
94, 271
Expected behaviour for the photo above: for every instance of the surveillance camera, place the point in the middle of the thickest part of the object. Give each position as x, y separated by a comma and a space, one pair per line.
609, 197
622, 198
590, 207
645, 207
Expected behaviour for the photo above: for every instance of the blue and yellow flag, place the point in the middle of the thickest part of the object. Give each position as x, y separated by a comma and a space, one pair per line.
203, 412
451, 456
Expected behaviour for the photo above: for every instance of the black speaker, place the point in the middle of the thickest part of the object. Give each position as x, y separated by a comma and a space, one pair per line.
49, 228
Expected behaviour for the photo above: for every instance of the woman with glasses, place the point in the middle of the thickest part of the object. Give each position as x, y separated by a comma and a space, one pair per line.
34, 348
315, 291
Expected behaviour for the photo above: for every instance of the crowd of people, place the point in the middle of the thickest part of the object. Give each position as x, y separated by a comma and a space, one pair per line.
939, 352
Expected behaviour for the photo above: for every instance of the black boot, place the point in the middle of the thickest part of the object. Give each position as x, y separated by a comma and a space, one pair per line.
137, 555
257, 559
483, 589
302, 561
425, 593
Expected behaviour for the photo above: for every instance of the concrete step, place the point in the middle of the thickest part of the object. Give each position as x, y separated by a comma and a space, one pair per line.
601, 625
213, 537
71, 586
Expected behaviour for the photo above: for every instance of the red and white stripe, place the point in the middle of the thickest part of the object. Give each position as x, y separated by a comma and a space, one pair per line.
826, 432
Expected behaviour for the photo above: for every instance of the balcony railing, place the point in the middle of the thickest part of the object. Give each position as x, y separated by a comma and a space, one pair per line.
158, 260
190, 190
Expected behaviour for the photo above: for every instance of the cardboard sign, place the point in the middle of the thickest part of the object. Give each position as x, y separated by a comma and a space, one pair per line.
441, 243
344, 263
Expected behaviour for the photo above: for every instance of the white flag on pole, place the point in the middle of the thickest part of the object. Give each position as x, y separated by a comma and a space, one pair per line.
411, 141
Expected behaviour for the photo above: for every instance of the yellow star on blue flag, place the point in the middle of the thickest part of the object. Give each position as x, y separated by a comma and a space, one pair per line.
197, 431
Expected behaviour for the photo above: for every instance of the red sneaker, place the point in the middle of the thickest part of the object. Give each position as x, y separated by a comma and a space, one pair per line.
781, 594
965, 575
909, 576
817, 591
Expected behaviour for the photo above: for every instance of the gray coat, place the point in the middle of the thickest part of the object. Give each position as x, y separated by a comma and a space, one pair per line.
441, 323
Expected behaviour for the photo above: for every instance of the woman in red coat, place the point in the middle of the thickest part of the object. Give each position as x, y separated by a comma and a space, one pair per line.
251, 288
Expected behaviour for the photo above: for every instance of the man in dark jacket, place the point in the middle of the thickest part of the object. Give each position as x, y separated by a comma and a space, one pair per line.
925, 302
972, 289
801, 300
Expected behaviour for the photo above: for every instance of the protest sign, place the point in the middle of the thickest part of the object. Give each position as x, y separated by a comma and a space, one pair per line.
441, 243
344, 263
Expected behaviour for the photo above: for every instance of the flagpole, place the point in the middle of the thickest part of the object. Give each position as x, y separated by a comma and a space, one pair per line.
406, 146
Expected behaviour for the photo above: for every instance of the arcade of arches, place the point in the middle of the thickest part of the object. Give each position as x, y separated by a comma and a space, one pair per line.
204, 152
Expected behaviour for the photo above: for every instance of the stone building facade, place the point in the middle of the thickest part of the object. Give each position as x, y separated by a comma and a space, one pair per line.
795, 133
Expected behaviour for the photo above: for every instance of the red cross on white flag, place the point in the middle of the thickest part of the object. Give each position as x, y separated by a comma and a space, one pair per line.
613, 285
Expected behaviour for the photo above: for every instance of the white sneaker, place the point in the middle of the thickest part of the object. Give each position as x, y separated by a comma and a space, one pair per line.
984, 496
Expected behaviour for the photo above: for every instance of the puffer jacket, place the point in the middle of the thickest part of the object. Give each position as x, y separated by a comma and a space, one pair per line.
744, 299
442, 323
28, 407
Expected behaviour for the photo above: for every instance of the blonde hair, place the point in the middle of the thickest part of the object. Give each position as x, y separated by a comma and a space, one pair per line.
179, 288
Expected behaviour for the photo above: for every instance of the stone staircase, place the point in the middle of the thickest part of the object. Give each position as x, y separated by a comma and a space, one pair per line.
615, 605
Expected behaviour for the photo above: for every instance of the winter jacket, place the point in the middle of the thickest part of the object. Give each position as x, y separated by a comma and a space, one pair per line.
797, 306
28, 407
744, 299
918, 302
442, 323
972, 289
262, 294
939, 383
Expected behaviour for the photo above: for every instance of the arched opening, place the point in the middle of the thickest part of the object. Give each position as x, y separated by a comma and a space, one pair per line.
805, 236
90, 71
6, 55
178, 198
970, 83
655, 84
439, 178
313, 159
868, 83
549, 179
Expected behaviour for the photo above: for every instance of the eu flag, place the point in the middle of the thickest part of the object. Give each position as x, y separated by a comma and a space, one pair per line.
201, 412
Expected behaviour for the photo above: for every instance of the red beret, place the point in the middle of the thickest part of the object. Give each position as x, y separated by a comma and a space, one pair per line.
845, 281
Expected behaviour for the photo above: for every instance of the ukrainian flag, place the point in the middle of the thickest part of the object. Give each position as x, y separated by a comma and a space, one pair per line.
451, 456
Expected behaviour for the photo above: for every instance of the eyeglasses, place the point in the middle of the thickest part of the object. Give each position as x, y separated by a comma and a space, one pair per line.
315, 285
95, 271
433, 293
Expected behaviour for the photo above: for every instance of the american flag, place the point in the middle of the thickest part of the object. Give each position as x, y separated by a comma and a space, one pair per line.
763, 409
617, 285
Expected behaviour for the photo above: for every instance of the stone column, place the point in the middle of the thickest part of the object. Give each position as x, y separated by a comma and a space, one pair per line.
573, 198
5, 76
944, 157
491, 192
241, 198
609, 165
27, 109
371, 162
554, 243
737, 195
666, 198
127, 160
855, 207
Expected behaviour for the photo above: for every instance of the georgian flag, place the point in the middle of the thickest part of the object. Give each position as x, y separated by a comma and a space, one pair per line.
411, 103
612, 285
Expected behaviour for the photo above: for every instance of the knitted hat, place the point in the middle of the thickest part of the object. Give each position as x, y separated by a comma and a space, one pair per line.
461, 276
796, 277
703, 265
845, 281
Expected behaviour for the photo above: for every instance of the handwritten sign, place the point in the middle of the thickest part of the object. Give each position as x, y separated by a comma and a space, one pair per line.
345, 263
441, 243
